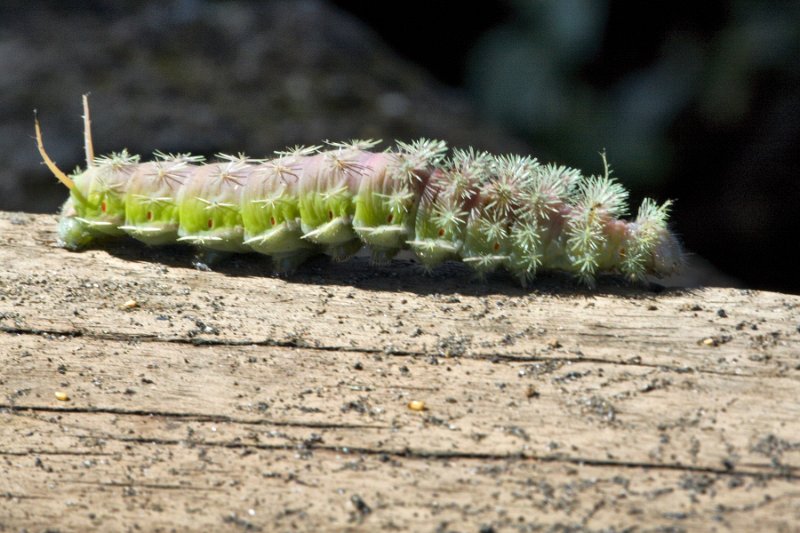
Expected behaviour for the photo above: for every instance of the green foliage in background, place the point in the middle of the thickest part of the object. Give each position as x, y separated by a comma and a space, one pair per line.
530, 75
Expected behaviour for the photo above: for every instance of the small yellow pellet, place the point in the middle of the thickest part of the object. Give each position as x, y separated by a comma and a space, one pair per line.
416, 405
130, 304
62, 396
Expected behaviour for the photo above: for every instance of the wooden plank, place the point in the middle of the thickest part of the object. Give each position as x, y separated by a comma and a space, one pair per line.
235, 400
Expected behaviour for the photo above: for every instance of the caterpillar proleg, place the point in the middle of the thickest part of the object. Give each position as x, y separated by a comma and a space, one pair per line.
510, 212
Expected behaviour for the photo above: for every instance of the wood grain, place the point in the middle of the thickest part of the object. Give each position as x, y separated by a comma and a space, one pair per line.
236, 400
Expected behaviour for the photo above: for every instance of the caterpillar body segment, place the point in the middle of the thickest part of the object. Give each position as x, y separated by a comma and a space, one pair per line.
151, 209
271, 213
491, 212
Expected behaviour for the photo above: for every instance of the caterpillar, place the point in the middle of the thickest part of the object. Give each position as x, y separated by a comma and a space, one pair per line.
508, 211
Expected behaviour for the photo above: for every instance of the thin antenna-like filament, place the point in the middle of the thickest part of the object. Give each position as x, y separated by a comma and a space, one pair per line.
57, 172
87, 133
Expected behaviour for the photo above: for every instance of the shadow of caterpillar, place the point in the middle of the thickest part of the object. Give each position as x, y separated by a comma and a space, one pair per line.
488, 211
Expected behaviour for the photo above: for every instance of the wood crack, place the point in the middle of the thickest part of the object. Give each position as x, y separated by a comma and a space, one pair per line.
786, 472
197, 417
293, 344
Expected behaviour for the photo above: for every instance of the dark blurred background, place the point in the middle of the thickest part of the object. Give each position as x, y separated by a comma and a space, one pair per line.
696, 102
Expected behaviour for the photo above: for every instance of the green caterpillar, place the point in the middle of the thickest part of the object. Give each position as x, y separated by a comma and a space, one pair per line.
488, 211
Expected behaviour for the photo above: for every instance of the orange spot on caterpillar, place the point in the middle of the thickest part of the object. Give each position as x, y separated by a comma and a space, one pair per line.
330, 215
496, 246
210, 223
272, 220
389, 218
149, 215
103, 206
441, 232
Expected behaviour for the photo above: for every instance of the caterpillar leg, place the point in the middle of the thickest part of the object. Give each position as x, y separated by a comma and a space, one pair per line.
433, 252
281, 239
336, 237
152, 235
342, 251
205, 259
337, 231
286, 263
384, 241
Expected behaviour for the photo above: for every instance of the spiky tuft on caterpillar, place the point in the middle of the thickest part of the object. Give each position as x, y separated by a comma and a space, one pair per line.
488, 211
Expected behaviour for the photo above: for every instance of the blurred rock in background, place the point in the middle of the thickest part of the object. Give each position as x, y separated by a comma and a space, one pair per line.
206, 77
699, 103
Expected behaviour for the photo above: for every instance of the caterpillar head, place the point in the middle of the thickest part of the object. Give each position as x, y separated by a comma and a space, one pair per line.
668, 256
72, 233
96, 194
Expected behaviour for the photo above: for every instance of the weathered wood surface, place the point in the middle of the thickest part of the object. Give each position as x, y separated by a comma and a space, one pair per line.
234, 400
